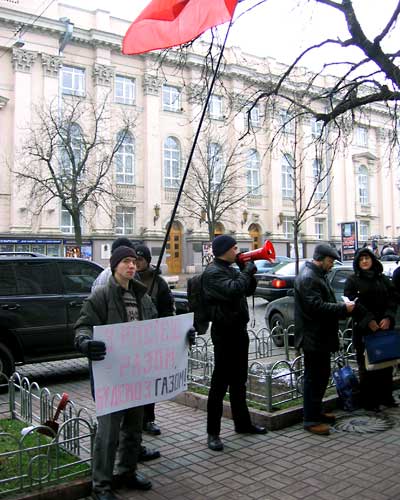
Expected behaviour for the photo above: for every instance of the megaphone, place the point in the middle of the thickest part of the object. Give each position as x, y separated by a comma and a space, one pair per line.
267, 251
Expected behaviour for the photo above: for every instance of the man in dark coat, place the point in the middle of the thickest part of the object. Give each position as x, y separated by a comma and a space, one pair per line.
164, 302
122, 299
146, 453
317, 317
226, 290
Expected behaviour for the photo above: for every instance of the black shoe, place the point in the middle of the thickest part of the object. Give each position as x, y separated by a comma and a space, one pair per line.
103, 495
373, 408
147, 454
215, 443
251, 429
390, 404
327, 418
152, 428
133, 481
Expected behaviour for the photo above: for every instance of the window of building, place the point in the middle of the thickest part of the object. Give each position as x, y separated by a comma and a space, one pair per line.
171, 97
319, 181
320, 229
72, 80
124, 220
316, 128
215, 107
253, 172
255, 117
287, 227
172, 162
286, 121
125, 160
361, 136
287, 177
363, 185
124, 90
363, 230
67, 225
71, 151
215, 164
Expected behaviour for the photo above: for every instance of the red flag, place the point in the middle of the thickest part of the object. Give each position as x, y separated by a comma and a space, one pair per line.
166, 23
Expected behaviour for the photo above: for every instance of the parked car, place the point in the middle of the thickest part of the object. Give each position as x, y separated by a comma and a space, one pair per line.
281, 311
274, 284
40, 300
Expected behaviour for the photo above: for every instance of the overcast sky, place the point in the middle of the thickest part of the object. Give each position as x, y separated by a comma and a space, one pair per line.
280, 28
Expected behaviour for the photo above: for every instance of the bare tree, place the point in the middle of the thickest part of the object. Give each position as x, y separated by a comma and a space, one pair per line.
68, 156
307, 188
216, 183
362, 77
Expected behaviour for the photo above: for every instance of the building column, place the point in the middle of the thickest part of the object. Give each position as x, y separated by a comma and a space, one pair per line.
22, 61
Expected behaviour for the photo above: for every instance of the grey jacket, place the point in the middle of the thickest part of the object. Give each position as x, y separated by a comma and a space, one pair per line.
105, 306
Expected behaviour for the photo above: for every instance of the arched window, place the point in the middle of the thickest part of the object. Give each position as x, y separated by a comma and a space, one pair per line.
125, 159
253, 172
71, 151
172, 162
363, 185
319, 180
287, 177
214, 164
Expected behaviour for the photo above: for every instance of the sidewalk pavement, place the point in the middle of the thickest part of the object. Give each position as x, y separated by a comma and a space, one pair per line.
289, 464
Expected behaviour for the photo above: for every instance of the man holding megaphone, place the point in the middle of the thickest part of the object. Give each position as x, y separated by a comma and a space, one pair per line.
225, 290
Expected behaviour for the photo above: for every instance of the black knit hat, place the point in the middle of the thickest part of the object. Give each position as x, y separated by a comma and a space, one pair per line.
324, 250
143, 251
222, 244
119, 254
121, 242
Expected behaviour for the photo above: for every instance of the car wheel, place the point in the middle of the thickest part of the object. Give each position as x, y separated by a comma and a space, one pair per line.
275, 322
6, 361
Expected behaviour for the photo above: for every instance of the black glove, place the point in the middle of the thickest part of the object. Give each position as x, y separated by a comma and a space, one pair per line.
250, 268
240, 263
95, 350
191, 336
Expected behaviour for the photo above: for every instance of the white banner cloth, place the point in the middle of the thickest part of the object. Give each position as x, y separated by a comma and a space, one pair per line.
146, 362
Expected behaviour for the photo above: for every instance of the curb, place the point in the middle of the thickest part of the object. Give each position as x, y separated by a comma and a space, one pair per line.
73, 490
271, 420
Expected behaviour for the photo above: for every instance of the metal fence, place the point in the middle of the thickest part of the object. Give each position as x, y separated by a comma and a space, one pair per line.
272, 383
41, 456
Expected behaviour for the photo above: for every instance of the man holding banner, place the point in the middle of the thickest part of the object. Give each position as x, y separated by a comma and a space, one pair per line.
122, 299
139, 363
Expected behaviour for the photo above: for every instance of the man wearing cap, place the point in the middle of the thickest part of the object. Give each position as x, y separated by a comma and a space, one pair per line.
146, 454
226, 289
164, 302
104, 276
317, 317
122, 299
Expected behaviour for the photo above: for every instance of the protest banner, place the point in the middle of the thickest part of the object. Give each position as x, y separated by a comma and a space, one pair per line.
146, 362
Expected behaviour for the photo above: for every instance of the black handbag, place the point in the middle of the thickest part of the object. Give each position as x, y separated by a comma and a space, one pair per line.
383, 345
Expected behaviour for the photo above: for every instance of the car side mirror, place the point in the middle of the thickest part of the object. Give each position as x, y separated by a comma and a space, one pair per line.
290, 293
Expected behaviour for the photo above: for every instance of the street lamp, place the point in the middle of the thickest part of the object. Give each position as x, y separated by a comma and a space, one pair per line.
156, 213
245, 216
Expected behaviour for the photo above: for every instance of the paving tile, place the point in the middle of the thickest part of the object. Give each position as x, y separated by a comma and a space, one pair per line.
289, 464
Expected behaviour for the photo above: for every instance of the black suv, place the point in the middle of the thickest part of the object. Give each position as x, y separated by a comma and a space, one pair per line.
40, 300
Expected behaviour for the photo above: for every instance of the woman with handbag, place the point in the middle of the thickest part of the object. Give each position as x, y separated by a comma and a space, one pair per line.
375, 310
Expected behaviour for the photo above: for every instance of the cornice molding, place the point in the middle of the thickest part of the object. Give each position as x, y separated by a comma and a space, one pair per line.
102, 74
3, 101
151, 84
23, 60
51, 64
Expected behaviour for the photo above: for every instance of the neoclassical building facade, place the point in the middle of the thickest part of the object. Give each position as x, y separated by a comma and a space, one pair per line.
71, 52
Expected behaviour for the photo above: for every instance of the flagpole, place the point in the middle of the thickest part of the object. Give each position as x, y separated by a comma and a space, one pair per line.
185, 173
